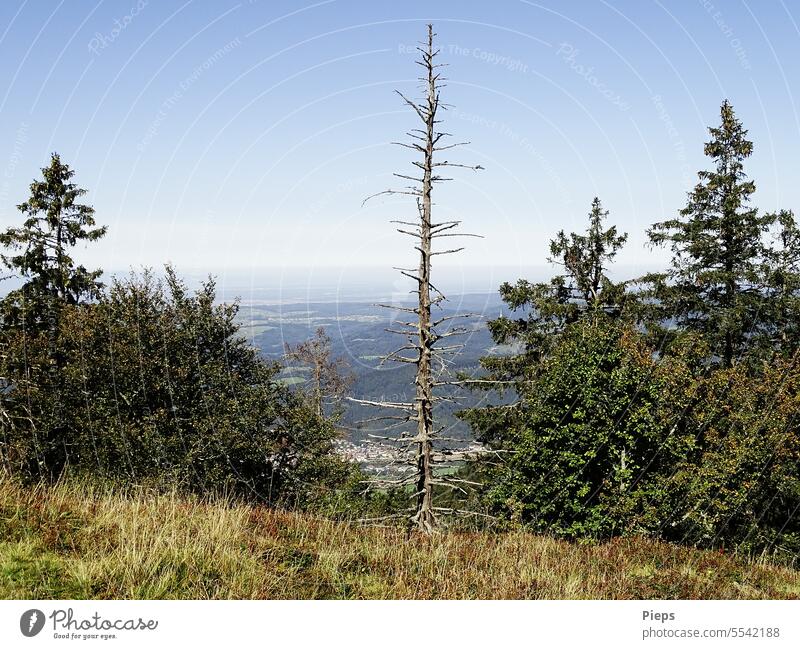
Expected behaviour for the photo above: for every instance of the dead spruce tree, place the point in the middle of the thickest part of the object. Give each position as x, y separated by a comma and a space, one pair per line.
424, 347
330, 378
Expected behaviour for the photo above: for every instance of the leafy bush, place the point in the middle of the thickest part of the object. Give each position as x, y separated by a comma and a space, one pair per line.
737, 482
582, 434
611, 439
153, 383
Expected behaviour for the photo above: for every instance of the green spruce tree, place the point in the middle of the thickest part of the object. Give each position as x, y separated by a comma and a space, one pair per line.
715, 285
583, 290
39, 250
38, 253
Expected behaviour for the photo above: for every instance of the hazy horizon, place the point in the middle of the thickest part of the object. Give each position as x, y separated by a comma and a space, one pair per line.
353, 283
236, 135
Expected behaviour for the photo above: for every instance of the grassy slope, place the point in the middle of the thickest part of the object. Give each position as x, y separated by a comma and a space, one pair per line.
67, 543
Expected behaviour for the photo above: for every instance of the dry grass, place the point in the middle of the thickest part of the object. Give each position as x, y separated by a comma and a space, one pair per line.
71, 542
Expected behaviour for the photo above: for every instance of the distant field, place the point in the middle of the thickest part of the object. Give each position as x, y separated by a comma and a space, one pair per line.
290, 380
68, 542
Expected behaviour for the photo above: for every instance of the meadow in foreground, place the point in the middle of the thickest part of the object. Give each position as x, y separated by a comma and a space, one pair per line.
72, 541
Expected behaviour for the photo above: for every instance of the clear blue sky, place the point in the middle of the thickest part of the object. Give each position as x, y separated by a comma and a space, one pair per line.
244, 135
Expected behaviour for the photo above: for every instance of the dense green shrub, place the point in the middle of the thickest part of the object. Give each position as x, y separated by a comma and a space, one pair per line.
736, 482
156, 384
580, 437
609, 438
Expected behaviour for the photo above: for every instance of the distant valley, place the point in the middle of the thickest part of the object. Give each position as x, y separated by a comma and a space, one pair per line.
357, 329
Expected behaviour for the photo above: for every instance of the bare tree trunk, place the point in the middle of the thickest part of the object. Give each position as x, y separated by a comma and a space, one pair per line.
424, 379
421, 329
318, 388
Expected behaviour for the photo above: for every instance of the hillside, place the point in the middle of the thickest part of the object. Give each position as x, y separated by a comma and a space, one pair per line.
75, 543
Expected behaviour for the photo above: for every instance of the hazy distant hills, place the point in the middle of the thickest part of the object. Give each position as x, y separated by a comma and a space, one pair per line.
357, 329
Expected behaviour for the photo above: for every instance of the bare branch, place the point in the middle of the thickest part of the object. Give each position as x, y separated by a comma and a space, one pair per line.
413, 146
413, 105
383, 404
447, 252
394, 307
416, 180
453, 164
463, 512
390, 191
447, 318
458, 234
411, 234
450, 146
